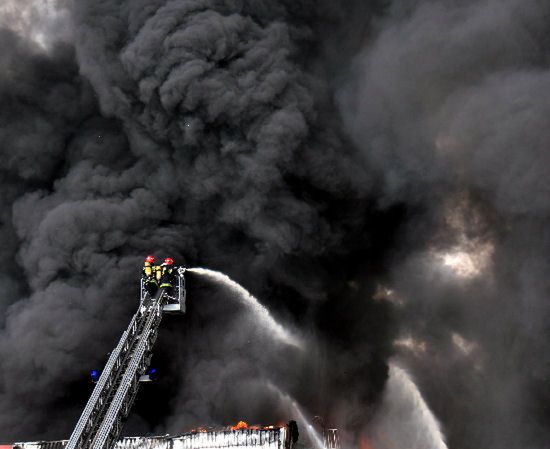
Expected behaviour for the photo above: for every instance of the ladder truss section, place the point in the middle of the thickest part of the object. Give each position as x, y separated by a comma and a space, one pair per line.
101, 421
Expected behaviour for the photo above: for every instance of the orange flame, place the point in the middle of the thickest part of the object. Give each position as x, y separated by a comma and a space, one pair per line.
240, 425
364, 443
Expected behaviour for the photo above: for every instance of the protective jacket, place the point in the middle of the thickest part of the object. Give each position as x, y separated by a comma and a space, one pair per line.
167, 276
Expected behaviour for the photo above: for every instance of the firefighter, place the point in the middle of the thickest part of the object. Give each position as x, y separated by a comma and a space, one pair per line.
149, 276
167, 273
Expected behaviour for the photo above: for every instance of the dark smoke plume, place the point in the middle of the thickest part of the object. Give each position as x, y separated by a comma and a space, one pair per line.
195, 129
448, 103
373, 171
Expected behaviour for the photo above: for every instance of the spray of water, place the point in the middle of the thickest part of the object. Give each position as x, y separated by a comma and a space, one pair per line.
311, 432
298, 414
405, 421
253, 304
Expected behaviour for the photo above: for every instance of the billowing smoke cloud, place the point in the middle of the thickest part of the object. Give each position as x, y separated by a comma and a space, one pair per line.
207, 130
193, 129
448, 102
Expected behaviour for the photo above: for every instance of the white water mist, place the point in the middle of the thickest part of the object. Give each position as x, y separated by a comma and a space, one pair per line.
404, 421
253, 304
300, 417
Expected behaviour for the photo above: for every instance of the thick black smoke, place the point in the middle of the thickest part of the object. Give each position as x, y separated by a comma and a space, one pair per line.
448, 102
207, 130
195, 129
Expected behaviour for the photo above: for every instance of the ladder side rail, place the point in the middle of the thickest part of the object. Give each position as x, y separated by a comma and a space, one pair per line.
142, 291
96, 394
143, 364
105, 381
140, 322
111, 425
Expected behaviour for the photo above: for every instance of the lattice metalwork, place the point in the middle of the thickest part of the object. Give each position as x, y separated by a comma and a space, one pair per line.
331, 439
100, 424
271, 438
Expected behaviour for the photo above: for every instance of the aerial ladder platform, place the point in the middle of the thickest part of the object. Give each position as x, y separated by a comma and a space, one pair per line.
110, 403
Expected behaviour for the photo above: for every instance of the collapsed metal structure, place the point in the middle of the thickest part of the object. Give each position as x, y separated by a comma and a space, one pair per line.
270, 438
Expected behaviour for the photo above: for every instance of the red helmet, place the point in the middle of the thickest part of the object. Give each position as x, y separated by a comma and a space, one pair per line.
168, 261
150, 259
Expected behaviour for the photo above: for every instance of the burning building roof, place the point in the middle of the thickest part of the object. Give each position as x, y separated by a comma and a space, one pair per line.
240, 436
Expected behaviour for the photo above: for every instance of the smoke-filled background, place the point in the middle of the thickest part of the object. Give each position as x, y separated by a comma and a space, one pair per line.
373, 171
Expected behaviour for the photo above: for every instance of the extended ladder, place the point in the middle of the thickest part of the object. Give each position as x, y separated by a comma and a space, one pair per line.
100, 424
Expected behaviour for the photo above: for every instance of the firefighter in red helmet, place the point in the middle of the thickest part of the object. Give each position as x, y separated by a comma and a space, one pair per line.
167, 273
149, 278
